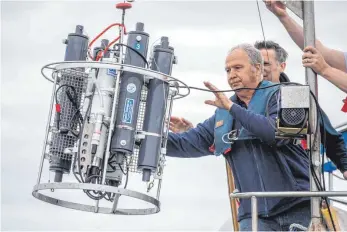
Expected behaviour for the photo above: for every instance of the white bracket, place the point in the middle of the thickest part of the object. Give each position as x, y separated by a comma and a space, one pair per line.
295, 6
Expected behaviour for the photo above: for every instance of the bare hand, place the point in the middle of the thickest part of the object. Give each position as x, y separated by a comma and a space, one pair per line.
179, 125
345, 175
276, 7
221, 100
312, 58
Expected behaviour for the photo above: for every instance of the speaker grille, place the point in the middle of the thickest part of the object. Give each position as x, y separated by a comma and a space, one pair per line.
293, 116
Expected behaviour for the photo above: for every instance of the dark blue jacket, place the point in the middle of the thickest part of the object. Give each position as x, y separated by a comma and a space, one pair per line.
260, 163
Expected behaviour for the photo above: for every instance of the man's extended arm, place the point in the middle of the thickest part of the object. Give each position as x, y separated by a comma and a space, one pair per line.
192, 143
333, 57
337, 77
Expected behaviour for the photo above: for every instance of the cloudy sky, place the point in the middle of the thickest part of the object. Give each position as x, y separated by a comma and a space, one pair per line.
194, 193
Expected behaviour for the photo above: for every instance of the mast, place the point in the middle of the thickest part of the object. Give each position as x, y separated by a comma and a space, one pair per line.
305, 11
311, 80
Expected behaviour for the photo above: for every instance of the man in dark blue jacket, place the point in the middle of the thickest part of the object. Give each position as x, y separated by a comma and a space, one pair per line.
259, 161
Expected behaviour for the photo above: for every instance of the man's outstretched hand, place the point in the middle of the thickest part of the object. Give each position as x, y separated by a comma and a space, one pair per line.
179, 125
221, 101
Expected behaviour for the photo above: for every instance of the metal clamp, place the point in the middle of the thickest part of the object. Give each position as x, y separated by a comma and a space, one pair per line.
232, 136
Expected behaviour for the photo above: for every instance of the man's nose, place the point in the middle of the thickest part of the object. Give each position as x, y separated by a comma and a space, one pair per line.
233, 75
232, 78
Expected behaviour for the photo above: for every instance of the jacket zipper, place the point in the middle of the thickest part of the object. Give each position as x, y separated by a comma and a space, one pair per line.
260, 178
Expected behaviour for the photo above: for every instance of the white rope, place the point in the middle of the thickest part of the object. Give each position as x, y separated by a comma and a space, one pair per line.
295, 226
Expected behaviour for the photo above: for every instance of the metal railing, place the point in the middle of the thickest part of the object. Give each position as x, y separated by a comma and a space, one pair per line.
254, 202
253, 195
339, 128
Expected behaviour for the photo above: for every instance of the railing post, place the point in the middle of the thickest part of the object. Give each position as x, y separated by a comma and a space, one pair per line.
254, 213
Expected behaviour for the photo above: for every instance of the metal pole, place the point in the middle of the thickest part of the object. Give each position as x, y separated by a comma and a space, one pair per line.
290, 194
254, 213
331, 186
48, 127
169, 110
311, 80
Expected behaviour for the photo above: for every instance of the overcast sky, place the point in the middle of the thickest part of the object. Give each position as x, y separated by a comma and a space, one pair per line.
194, 192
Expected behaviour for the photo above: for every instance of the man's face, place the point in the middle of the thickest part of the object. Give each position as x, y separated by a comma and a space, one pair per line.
240, 72
272, 68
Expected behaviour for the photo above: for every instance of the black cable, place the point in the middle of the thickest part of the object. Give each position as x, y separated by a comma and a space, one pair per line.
57, 102
315, 177
134, 50
262, 29
100, 195
74, 100
126, 178
233, 90
324, 144
61, 86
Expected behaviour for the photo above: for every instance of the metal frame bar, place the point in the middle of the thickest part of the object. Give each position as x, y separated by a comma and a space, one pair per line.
96, 209
254, 195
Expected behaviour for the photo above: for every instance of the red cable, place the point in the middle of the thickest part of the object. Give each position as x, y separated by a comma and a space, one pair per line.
101, 33
105, 50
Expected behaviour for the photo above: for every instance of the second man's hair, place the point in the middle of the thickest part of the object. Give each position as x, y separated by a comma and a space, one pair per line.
281, 54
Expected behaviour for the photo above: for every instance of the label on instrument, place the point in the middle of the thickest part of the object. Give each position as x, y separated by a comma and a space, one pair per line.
128, 110
111, 72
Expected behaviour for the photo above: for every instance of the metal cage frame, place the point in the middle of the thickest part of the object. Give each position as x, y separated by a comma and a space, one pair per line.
148, 74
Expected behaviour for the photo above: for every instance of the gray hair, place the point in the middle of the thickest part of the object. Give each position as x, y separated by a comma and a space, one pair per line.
253, 53
281, 54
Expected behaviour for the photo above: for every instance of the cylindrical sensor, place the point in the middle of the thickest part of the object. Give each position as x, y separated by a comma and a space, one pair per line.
102, 109
100, 50
77, 45
163, 59
72, 84
130, 93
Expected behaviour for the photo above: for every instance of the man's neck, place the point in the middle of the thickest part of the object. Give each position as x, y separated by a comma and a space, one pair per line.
246, 98
246, 95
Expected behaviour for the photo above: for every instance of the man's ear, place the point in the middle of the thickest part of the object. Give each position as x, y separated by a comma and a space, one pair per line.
258, 70
283, 66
